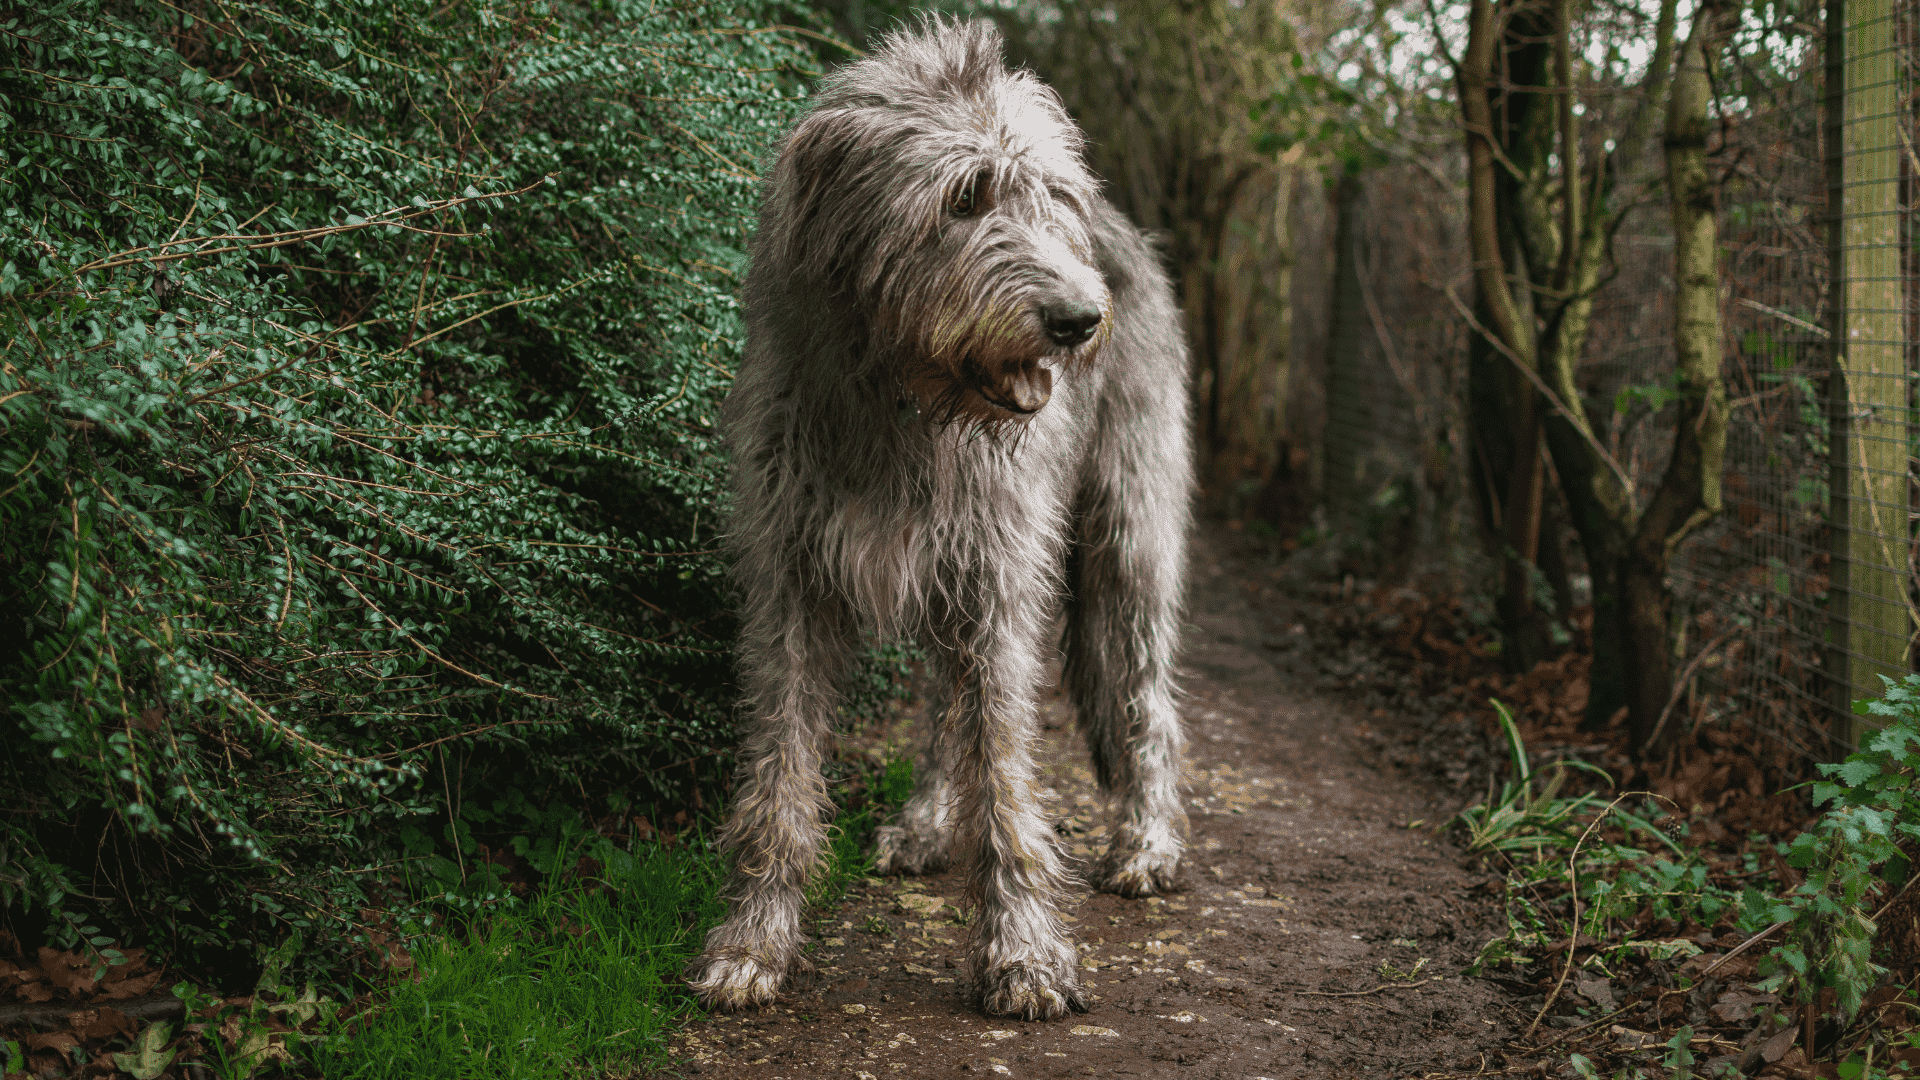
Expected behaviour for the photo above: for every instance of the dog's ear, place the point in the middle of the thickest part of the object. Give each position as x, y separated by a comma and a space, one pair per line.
813, 163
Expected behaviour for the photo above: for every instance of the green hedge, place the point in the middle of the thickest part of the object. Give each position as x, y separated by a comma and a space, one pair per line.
358, 366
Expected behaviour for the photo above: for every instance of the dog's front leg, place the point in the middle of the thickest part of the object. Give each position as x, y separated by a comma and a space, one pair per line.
1022, 962
792, 657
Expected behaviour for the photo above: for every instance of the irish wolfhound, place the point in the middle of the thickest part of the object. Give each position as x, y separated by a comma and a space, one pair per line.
962, 407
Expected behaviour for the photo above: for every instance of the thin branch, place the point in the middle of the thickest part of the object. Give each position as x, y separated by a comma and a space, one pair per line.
265, 241
1364, 993
1553, 399
1680, 684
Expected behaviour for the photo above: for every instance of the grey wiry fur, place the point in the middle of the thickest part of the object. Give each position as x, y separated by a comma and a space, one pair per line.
933, 437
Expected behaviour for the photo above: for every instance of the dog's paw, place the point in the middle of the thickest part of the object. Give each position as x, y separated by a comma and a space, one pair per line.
1133, 872
1030, 991
898, 850
731, 980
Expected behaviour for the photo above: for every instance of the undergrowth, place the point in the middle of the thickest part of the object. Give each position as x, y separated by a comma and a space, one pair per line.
581, 978
1628, 872
1606, 893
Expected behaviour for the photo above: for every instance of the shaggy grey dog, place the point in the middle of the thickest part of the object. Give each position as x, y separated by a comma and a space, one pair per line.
962, 408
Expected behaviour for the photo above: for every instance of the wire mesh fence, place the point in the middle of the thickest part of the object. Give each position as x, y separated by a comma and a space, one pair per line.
1797, 600
1794, 601
1753, 589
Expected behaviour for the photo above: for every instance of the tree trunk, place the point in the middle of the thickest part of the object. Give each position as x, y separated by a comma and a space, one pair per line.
1537, 264
1689, 493
1253, 323
1630, 647
1344, 444
1508, 469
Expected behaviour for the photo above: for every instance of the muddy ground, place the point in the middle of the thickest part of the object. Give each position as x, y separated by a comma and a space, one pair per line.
1321, 929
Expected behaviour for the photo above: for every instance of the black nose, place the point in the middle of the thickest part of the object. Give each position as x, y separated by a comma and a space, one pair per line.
1070, 322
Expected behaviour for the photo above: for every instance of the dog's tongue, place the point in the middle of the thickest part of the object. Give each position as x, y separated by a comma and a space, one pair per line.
1028, 390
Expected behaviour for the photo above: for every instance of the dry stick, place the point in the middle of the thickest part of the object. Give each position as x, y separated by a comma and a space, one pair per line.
1784, 317
1911, 878
1553, 399
1742, 947
1716, 965
1710, 969
1680, 684
1363, 993
1573, 931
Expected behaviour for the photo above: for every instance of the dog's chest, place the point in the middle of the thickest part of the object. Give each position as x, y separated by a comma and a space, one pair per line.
960, 507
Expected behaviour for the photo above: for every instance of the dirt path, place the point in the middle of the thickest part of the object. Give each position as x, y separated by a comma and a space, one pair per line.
1303, 883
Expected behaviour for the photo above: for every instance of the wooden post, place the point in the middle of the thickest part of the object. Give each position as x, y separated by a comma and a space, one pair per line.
1868, 386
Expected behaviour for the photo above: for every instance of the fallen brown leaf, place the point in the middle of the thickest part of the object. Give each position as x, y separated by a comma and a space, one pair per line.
1775, 1049
52, 1040
1736, 1006
68, 970
130, 988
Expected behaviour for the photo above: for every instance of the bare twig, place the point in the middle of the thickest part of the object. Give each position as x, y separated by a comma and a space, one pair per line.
1540, 384
1364, 993
1784, 317
1680, 684
399, 215
1743, 947
1573, 930
1710, 969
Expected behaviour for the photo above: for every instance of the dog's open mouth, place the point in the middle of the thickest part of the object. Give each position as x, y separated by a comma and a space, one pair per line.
1022, 392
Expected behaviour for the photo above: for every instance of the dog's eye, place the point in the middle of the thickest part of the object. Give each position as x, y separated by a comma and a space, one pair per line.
964, 203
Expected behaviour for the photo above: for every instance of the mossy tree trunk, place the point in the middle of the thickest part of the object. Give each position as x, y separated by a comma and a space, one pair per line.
1541, 221
1689, 492
1868, 598
1628, 545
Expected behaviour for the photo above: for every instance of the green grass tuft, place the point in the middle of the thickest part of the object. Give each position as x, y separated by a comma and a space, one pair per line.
570, 984
575, 981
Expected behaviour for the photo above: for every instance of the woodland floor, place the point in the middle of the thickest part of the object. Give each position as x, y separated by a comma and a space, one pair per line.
1325, 915
1319, 932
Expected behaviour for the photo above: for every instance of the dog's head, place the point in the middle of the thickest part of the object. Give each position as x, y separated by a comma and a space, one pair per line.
944, 198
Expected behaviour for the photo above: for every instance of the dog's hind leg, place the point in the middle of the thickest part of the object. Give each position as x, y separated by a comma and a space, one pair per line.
1021, 959
793, 653
921, 840
1125, 574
